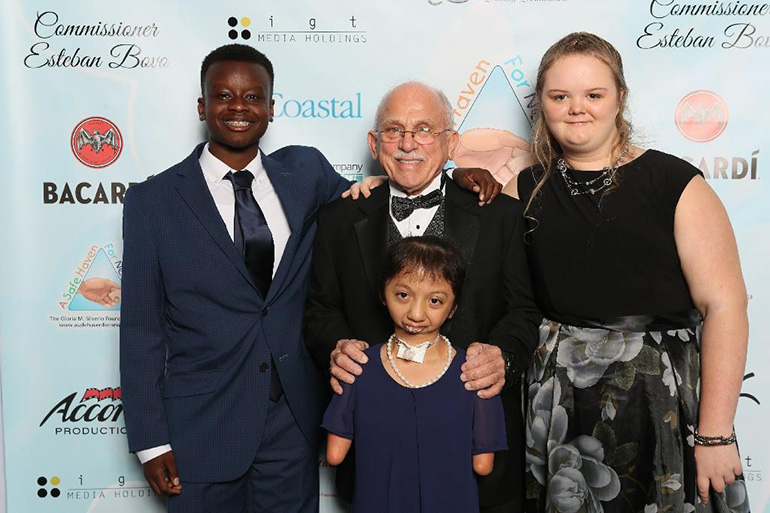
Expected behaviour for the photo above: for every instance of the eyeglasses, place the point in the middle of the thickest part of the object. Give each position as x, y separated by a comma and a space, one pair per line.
423, 135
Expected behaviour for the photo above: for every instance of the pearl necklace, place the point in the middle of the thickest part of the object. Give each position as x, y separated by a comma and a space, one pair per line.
409, 384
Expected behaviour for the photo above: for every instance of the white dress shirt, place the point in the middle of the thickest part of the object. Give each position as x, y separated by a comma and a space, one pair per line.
416, 224
214, 171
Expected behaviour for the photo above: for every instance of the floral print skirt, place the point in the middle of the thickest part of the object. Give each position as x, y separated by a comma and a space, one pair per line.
610, 422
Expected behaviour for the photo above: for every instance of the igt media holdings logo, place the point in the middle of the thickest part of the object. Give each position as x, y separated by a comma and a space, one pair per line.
96, 413
701, 116
96, 142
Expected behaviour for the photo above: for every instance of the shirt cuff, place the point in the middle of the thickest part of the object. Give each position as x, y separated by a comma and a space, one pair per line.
153, 452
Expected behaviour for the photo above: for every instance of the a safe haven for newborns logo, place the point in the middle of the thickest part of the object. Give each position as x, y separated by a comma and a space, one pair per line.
91, 298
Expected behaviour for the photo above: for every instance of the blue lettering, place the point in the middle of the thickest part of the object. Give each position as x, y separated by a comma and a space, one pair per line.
317, 108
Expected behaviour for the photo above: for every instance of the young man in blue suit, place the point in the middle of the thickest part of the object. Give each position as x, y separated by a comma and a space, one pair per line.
222, 402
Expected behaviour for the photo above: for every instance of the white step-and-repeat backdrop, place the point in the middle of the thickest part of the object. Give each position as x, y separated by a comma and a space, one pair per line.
697, 70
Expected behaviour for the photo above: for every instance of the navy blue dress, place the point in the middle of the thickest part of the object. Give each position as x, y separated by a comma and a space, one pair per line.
414, 447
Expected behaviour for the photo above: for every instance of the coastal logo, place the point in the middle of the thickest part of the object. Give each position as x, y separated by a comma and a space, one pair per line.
44, 491
233, 22
96, 142
348, 107
701, 116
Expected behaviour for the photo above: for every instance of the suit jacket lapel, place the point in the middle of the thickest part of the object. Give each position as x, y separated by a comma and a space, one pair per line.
192, 187
462, 220
372, 233
289, 194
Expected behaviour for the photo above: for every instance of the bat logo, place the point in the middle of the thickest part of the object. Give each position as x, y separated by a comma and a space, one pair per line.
701, 116
96, 142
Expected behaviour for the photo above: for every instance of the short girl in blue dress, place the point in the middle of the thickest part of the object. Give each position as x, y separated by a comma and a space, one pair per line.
419, 434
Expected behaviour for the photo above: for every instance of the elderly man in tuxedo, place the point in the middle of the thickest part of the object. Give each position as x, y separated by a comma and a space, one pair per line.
496, 321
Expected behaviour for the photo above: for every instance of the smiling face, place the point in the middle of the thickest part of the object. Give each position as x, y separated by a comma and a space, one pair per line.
418, 305
580, 103
237, 105
411, 166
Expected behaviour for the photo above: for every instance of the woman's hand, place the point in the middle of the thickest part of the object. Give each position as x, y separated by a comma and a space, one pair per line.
365, 187
716, 467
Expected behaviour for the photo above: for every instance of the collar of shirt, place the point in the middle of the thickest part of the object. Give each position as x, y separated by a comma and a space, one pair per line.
416, 224
215, 170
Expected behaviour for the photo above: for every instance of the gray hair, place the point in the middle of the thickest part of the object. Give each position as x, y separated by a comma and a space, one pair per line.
446, 104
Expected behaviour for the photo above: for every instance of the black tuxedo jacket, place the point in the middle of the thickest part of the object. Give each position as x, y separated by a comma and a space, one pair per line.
497, 305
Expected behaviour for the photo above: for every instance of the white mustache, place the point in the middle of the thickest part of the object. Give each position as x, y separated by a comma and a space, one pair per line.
412, 155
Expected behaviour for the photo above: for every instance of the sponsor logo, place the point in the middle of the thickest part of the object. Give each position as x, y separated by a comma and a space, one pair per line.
724, 168
93, 286
497, 96
351, 171
298, 30
48, 487
97, 412
319, 108
85, 193
96, 142
701, 116
103, 498
50, 30
233, 22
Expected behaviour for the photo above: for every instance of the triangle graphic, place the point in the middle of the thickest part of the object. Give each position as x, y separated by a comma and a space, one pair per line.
495, 133
497, 106
102, 268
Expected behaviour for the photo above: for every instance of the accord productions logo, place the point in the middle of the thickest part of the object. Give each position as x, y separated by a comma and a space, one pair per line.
96, 413
701, 116
96, 142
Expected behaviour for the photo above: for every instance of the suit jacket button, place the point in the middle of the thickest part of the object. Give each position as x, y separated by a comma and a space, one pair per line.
264, 367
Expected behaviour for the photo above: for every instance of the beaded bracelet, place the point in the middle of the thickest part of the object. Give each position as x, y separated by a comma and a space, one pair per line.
714, 440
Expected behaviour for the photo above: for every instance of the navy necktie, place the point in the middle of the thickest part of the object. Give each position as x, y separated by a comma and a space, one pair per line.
251, 233
254, 240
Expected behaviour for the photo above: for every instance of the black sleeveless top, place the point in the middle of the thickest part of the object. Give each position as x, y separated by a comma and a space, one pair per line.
608, 254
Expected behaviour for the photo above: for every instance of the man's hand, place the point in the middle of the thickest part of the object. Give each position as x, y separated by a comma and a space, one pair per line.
479, 181
162, 475
716, 467
100, 290
346, 361
365, 188
484, 369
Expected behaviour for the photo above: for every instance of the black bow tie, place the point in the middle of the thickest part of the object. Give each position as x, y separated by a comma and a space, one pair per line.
403, 207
